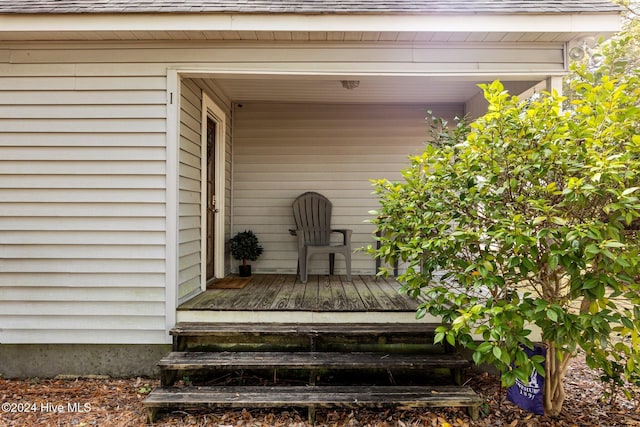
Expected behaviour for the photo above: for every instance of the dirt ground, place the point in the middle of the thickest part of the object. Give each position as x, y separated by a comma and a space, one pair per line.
117, 402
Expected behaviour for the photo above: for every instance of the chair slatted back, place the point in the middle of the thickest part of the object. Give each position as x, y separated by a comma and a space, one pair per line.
312, 214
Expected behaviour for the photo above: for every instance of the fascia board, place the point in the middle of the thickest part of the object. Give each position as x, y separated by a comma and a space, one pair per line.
534, 23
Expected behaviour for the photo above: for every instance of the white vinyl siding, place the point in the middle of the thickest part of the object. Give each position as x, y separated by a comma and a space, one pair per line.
82, 203
283, 150
84, 184
190, 173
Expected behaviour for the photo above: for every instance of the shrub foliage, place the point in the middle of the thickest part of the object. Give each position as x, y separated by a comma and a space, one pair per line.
526, 220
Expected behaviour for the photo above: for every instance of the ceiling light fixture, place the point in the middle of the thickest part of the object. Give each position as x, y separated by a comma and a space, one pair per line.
350, 84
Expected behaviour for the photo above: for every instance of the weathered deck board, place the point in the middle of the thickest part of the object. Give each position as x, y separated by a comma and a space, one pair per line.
196, 361
282, 292
269, 293
338, 294
310, 360
378, 288
392, 293
286, 293
342, 329
352, 296
257, 396
248, 297
304, 396
311, 293
367, 295
326, 302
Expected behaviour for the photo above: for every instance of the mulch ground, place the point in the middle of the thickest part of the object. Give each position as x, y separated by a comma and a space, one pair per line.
117, 402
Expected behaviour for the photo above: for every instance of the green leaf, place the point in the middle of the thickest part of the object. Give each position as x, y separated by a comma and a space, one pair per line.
590, 283
522, 375
508, 379
628, 323
451, 339
484, 347
537, 358
539, 220
614, 244
530, 266
552, 315
497, 352
592, 249
559, 221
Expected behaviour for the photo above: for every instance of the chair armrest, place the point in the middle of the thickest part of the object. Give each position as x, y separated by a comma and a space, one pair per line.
346, 234
299, 234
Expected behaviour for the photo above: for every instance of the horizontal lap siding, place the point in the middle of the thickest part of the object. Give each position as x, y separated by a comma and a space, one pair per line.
283, 150
82, 204
190, 173
189, 170
83, 169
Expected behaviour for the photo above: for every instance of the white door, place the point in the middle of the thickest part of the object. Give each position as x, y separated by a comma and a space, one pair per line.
212, 190
212, 210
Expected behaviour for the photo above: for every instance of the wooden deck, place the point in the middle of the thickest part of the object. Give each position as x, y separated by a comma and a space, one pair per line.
282, 293
342, 338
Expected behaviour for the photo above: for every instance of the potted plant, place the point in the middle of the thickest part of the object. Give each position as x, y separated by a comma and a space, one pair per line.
245, 247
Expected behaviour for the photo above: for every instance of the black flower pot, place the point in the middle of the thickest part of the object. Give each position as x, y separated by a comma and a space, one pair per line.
244, 270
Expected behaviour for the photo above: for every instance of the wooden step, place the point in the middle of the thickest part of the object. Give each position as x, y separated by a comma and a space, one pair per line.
194, 361
215, 329
312, 398
310, 335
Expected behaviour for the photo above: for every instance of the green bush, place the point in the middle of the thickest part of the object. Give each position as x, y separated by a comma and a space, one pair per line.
527, 219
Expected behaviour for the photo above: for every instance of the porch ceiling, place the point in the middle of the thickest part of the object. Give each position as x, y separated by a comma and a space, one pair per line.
371, 89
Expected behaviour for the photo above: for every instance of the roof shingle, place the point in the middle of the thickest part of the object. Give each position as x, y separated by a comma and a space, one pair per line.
309, 6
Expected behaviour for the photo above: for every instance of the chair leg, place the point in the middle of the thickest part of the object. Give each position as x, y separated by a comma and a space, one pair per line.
332, 263
347, 260
303, 269
302, 265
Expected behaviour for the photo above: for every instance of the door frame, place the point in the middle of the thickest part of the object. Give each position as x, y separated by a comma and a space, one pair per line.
212, 110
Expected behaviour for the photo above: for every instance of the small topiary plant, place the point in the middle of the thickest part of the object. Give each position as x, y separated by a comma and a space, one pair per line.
245, 247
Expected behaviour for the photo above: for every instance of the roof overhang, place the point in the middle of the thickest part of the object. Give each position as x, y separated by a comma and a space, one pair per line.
460, 27
449, 83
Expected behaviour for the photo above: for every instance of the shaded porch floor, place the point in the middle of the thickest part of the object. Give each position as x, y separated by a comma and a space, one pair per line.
321, 293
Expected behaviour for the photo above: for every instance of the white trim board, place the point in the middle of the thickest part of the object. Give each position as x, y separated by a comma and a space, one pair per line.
173, 146
211, 109
533, 23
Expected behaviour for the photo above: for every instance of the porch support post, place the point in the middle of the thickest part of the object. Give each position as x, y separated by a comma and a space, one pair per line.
171, 254
554, 83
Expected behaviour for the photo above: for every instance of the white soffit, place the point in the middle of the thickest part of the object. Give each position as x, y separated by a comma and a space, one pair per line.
370, 89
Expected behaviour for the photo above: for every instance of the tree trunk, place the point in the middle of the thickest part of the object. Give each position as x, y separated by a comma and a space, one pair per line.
556, 367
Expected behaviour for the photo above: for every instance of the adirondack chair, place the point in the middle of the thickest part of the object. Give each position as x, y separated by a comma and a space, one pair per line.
312, 215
